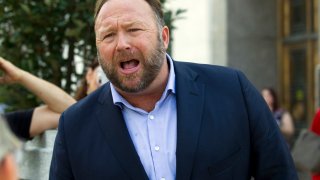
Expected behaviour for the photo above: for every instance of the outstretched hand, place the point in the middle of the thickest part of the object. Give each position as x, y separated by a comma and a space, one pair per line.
10, 73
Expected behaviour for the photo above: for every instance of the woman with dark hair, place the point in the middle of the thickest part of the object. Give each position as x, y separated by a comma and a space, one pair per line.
282, 117
93, 79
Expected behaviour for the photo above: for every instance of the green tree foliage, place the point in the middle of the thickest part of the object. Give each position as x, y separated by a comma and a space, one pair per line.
48, 38
170, 16
45, 37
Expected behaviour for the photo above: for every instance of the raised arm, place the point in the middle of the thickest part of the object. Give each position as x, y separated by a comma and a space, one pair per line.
54, 97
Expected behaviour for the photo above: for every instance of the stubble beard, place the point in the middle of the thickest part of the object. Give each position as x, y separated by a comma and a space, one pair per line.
150, 68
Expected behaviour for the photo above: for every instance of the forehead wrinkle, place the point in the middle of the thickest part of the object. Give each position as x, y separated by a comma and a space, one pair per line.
133, 22
125, 24
105, 24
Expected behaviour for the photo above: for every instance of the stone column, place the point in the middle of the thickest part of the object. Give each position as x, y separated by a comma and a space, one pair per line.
252, 40
218, 32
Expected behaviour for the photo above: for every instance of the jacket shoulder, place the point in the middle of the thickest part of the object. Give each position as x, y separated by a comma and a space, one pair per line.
207, 72
86, 106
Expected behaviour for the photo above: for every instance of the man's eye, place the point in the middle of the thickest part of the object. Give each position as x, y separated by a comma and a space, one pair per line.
109, 35
134, 29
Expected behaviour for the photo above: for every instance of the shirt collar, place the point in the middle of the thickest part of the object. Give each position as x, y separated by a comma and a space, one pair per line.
119, 100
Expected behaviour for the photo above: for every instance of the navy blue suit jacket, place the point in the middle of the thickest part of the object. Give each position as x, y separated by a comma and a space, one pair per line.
224, 131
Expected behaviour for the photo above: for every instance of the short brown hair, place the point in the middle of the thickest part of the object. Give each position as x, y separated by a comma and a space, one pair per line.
154, 4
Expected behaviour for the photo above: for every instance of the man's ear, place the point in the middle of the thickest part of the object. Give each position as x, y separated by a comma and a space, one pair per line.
8, 168
165, 35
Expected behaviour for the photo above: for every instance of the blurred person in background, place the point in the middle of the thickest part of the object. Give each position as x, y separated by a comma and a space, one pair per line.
34, 121
8, 144
29, 123
315, 127
92, 80
282, 117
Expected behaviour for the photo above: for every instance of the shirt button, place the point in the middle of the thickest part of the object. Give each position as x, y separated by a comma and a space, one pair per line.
151, 117
157, 148
163, 179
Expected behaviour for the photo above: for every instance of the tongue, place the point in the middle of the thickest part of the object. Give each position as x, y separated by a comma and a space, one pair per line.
130, 64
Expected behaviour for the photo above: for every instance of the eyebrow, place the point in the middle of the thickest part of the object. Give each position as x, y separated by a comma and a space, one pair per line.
104, 29
128, 24
125, 24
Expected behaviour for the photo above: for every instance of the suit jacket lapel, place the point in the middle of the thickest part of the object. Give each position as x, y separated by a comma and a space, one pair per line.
115, 130
190, 101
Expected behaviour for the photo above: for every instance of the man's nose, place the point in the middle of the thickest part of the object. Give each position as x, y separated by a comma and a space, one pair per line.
123, 42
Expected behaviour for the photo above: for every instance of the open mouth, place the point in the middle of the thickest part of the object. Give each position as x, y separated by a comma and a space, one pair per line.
130, 66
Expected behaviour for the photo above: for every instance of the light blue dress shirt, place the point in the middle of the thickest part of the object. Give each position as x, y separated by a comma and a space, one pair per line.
154, 134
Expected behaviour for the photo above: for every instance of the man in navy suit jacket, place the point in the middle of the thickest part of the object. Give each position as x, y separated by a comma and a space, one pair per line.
162, 119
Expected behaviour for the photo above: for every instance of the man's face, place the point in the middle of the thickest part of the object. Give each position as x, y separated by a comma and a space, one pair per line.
130, 46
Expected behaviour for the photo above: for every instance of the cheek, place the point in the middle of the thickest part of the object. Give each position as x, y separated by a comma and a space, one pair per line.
145, 42
144, 48
106, 51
